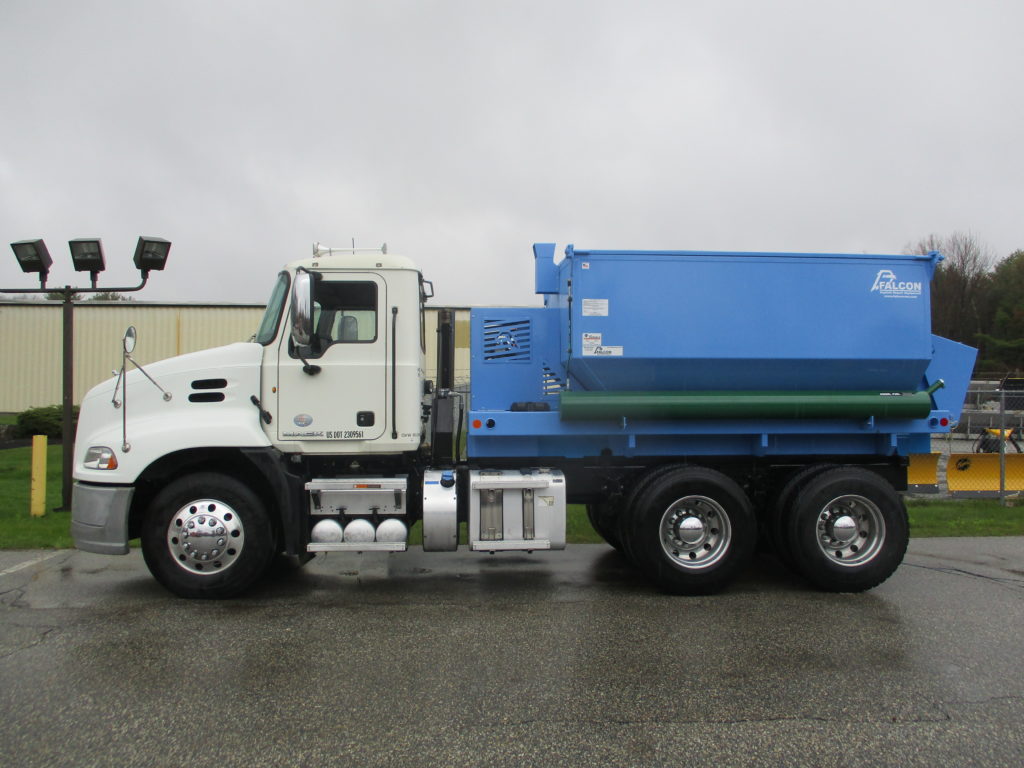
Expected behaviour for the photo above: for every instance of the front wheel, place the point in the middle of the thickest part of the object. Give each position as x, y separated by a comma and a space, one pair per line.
207, 535
848, 530
692, 530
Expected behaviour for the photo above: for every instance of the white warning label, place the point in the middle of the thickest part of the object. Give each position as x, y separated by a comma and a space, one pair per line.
595, 307
592, 347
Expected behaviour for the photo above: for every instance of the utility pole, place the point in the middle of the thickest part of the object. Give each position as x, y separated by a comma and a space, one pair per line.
87, 256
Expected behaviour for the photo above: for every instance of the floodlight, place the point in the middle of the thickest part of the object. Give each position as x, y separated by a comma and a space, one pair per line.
87, 254
151, 253
32, 256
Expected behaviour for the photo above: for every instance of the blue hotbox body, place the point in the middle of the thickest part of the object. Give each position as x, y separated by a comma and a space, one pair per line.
711, 322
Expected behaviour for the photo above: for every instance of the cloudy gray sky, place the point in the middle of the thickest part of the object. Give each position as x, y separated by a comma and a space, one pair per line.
460, 132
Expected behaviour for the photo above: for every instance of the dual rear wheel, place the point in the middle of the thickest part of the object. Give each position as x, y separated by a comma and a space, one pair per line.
691, 529
844, 529
688, 529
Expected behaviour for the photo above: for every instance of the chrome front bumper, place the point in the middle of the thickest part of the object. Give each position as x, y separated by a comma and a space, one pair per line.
99, 517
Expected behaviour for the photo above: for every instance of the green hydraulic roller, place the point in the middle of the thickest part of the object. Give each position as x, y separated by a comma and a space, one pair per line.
593, 406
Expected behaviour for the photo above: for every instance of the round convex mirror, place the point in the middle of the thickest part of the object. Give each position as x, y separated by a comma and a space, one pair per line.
129, 339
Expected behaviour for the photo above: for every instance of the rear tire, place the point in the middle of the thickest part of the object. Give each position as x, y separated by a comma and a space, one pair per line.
207, 535
781, 510
624, 523
604, 523
848, 530
692, 530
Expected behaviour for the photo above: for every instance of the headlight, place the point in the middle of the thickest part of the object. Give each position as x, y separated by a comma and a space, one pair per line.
100, 457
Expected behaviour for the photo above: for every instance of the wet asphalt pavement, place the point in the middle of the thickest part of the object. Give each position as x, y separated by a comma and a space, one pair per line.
423, 659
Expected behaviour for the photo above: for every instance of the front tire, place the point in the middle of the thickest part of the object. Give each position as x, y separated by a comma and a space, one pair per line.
848, 530
692, 530
207, 535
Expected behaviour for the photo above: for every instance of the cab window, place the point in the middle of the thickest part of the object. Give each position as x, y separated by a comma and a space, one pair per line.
343, 313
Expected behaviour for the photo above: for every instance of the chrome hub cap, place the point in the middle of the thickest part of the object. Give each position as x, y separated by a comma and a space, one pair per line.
844, 529
205, 537
695, 532
850, 530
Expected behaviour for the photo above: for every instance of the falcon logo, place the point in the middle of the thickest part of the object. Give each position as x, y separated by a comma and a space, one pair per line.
888, 285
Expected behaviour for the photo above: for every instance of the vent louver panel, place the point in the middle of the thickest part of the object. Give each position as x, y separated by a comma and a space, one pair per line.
551, 383
507, 341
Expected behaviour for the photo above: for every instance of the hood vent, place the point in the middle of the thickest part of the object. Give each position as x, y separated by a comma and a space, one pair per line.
208, 393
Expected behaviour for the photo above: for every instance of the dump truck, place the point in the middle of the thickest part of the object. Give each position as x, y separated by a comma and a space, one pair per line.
699, 404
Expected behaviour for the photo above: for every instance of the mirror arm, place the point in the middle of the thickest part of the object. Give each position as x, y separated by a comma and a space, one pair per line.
307, 368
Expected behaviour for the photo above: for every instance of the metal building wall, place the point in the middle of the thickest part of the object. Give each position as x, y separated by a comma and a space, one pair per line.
31, 332
30, 342
30, 354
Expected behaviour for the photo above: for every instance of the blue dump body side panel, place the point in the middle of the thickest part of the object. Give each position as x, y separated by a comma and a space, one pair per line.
695, 321
722, 322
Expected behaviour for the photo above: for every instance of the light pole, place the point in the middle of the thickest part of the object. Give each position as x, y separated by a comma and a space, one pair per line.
87, 256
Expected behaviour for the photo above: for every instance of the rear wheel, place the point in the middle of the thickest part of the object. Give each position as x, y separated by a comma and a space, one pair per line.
624, 524
207, 535
781, 509
603, 523
692, 530
848, 530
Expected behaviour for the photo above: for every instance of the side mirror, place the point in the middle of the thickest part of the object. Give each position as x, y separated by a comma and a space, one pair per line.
302, 309
128, 342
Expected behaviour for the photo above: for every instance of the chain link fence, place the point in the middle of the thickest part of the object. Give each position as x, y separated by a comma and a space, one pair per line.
982, 456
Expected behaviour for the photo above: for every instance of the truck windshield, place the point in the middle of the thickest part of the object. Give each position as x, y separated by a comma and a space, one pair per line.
272, 316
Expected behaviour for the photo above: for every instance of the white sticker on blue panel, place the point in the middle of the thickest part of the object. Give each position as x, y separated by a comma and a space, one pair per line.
592, 347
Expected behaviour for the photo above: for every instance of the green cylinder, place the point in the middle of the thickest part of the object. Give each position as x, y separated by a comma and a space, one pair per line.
586, 406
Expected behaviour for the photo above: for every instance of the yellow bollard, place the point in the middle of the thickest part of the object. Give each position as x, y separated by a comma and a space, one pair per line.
37, 495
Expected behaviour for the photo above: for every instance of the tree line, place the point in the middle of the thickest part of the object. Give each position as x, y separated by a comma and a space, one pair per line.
978, 299
59, 296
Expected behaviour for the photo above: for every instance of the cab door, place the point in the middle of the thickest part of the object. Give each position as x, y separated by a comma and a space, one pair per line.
336, 388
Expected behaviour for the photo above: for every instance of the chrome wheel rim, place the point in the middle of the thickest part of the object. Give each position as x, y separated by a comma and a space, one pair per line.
205, 537
850, 530
695, 532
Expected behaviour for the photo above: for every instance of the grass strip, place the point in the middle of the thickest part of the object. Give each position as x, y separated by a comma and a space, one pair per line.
19, 530
964, 517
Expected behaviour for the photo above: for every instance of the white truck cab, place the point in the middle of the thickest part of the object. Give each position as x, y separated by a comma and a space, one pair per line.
205, 456
356, 383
